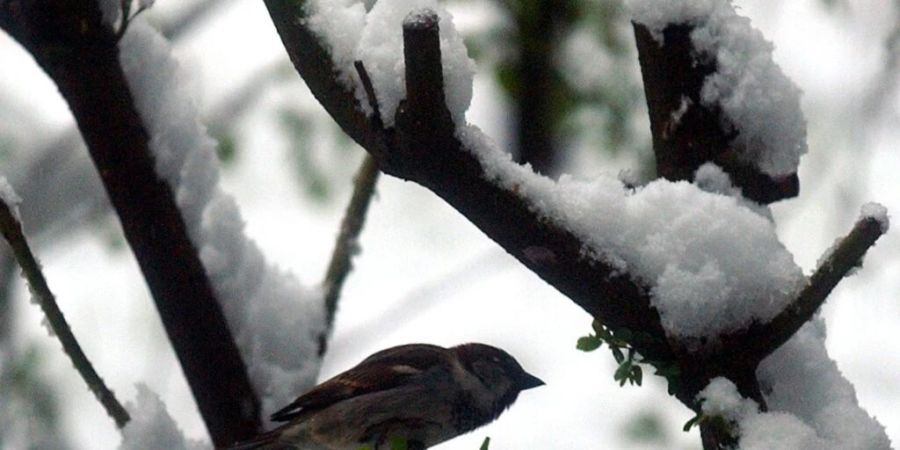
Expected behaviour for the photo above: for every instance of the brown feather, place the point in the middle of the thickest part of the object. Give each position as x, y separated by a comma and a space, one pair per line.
381, 371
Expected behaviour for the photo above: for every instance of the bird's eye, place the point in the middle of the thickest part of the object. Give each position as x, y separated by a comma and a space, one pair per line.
496, 359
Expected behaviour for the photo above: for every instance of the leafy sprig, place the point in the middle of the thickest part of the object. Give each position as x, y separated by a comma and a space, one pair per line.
620, 342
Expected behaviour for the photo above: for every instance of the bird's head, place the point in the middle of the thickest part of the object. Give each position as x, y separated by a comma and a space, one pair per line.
497, 370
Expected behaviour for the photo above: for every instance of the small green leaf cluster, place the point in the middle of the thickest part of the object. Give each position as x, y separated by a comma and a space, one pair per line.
485, 444
619, 342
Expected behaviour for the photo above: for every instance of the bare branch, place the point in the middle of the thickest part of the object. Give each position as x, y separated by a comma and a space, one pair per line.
347, 241
12, 231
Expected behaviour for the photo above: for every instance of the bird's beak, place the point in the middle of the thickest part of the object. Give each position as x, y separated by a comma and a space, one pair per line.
528, 381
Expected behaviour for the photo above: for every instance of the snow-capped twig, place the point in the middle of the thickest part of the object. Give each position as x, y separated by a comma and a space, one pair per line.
840, 261
31, 270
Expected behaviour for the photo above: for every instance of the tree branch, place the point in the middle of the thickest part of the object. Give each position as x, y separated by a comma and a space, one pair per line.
687, 133
438, 161
347, 241
80, 53
12, 231
760, 340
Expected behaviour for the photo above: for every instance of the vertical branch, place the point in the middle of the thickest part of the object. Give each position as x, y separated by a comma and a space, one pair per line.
12, 231
79, 52
537, 85
687, 133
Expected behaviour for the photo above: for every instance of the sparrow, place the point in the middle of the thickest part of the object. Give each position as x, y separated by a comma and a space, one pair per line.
421, 393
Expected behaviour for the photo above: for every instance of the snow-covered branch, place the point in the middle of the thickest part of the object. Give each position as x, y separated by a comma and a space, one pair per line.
79, 51
695, 113
450, 168
689, 274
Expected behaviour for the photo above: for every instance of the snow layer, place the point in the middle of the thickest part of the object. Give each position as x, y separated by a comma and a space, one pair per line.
376, 39
811, 405
276, 321
151, 427
800, 379
755, 95
713, 265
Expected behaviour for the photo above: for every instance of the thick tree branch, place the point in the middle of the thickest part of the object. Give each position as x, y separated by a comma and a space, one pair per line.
438, 161
12, 231
79, 52
686, 133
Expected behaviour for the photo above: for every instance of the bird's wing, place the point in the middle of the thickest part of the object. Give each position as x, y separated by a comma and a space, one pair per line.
381, 371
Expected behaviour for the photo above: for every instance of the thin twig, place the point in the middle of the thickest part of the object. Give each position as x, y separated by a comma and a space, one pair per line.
745, 348
347, 241
844, 257
12, 231
370, 92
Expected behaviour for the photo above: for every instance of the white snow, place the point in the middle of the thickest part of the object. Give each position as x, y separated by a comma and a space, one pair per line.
151, 427
800, 379
8, 195
811, 405
376, 39
711, 178
755, 95
713, 265
721, 398
878, 212
275, 320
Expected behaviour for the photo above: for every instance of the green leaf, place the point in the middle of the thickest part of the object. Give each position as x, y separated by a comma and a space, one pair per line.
597, 326
637, 374
398, 443
617, 353
622, 373
485, 444
588, 343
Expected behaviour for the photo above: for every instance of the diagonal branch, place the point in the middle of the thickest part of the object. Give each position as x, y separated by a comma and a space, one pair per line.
423, 148
840, 261
347, 241
79, 52
12, 231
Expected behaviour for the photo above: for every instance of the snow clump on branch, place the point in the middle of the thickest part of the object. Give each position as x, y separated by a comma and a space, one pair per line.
376, 38
758, 100
275, 320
